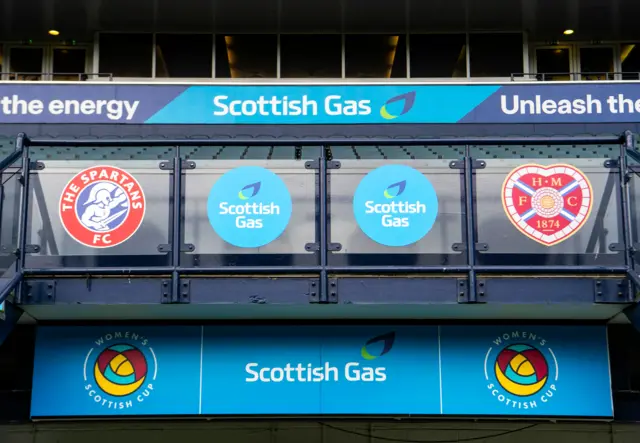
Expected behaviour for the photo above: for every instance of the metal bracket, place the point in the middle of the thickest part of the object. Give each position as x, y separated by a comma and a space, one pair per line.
332, 290
39, 292
167, 165
166, 292
611, 290
188, 164
314, 289
462, 290
460, 247
184, 292
36, 166
313, 247
611, 164
8, 249
187, 247
459, 164
616, 247
315, 164
31, 249
481, 291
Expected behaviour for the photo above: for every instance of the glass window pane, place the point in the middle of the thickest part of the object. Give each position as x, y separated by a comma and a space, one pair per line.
126, 55
246, 56
68, 63
57, 246
630, 61
377, 56
26, 63
597, 62
304, 56
438, 55
436, 247
495, 55
184, 55
547, 208
553, 64
210, 248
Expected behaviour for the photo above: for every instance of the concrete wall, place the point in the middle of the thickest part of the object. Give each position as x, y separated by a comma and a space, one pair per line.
312, 432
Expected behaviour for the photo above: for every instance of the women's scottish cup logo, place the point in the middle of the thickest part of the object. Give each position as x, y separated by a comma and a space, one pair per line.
521, 370
120, 370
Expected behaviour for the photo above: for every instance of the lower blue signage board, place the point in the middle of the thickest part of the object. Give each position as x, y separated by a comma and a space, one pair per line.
401, 103
533, 371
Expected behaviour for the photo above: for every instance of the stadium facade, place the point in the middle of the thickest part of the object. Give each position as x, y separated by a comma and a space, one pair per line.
336, 221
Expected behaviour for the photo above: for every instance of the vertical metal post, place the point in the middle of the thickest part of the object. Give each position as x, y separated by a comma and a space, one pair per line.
471, 224
22, 143
176, 237
627, 233
322, 181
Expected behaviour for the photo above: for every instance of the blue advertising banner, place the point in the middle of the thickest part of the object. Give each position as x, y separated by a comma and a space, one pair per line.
320, 104
541, 371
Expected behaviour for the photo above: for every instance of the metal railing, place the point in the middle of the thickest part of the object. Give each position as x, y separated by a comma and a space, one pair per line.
576, 76
176, 170
53, 76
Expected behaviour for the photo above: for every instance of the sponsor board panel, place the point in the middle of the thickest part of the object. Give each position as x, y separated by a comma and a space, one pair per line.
385, 370
526, 370
229, 370
263, 370
320, 104
106, 371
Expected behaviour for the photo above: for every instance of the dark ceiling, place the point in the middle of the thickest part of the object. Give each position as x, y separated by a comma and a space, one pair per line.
544, 19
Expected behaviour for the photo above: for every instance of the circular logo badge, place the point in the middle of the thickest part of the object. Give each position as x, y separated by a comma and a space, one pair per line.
120, 370
102, 206
249, 207
521, 370
395, 205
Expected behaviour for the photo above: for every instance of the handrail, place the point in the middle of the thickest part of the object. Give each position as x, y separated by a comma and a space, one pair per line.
542, 76
82, 76
475, 141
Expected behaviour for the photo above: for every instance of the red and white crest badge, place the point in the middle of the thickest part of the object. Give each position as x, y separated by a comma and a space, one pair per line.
102, 206
548, 204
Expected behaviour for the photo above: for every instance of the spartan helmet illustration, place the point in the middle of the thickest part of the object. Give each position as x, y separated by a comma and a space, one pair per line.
101, 193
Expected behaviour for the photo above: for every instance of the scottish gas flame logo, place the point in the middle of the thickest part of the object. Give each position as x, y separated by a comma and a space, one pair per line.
387, 340
251, 191
395, 189
408, 100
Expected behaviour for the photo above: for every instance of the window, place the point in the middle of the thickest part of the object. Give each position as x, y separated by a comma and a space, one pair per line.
495, 55
26, 63
630, 61
246, 56
553, 64
126, 55
69, 63
596, 63
378, 56
438, 55
312, 55
184, 55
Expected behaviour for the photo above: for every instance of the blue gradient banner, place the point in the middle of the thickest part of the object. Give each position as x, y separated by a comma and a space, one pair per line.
539, 371
320, 104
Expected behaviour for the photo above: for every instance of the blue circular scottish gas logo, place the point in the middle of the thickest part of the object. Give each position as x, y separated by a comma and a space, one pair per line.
249, 207
395, 205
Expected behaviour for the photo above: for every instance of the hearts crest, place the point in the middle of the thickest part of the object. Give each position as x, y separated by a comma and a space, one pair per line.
548, 204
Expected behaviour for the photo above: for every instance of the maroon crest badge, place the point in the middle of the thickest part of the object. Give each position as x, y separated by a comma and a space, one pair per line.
548, 204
